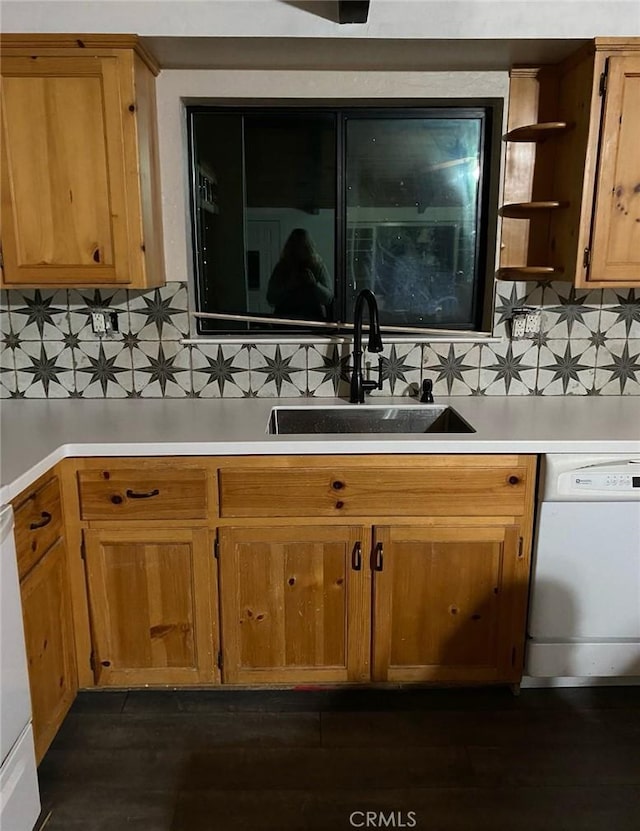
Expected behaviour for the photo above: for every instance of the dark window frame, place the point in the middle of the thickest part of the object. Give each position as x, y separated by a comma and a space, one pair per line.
489, 111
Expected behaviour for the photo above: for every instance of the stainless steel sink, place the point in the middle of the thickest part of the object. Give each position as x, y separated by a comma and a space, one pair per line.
366, 418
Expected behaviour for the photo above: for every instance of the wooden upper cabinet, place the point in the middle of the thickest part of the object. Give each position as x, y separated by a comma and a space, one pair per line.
573, 169
80, 177
615, 255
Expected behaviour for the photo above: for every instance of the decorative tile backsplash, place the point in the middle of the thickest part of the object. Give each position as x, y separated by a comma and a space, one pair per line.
589, 344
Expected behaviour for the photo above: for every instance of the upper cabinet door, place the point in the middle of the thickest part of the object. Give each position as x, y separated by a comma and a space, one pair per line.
63, 172
616, 229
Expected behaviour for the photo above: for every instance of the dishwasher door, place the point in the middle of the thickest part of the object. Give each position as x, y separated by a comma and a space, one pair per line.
584, 615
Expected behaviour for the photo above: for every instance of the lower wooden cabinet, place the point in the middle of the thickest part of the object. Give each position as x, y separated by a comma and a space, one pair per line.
48, 626
295, 604
310, 604
150, 601
449, 603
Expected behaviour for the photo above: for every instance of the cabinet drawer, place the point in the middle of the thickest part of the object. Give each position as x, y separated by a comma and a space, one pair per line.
386, 491
38, 524
143, 494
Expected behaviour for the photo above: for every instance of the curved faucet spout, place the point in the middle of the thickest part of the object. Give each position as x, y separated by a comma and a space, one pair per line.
358, 385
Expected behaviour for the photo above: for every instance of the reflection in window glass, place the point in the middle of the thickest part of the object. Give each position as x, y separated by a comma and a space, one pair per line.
296, 210
266, 244
412, 214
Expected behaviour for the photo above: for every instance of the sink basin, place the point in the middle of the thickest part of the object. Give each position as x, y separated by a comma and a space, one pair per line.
366, 418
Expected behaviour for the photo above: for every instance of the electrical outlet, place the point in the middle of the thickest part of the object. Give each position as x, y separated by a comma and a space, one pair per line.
99, 323
104, 322
525, 323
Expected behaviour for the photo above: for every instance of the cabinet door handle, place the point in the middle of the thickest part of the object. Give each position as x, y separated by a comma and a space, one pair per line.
134, 495
46, 519
378, 561
356, 557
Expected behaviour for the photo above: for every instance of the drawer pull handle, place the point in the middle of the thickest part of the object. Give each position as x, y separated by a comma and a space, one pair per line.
134, 495
356, 557
378, 561
46, 519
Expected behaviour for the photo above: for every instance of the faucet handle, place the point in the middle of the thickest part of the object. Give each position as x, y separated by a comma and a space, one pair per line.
427, 391
380, 372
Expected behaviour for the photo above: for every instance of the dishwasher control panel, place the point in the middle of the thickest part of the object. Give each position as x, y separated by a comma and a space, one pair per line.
613, 481
604, 481
590, 478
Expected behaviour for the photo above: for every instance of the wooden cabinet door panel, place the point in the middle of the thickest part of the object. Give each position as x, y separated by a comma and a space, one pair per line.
48, 627
616, 231
63, 185
150, 604
443, 603
295, 607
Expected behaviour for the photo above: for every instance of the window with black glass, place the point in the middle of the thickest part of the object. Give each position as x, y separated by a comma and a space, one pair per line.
297, 210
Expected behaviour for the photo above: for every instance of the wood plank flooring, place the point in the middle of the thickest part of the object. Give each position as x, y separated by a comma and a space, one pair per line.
460, 760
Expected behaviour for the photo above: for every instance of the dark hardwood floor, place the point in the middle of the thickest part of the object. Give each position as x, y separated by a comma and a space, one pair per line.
439, 760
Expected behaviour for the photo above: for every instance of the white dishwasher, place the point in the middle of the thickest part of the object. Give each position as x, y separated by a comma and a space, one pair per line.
584, 613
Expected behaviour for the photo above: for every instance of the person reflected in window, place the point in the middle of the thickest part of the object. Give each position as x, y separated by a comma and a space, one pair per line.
300, 285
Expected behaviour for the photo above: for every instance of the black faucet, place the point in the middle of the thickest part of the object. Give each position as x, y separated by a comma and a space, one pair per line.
358, 385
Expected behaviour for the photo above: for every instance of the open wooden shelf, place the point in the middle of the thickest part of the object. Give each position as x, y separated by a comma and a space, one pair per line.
538, 132
526, 210
529, 272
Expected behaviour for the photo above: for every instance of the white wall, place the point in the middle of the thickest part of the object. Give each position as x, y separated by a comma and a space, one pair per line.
509, 19
175, 87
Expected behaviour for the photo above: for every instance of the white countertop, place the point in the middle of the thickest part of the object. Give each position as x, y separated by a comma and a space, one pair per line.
37, 434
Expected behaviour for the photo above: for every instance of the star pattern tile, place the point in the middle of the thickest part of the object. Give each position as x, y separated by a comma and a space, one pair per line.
162, 370
215, 369
571, 312
279, 370
160, 314
45, 371
103, 369
329, 370
621, 313
453, 367
618, 368
567, 367
39, 315
508, 369
400, 369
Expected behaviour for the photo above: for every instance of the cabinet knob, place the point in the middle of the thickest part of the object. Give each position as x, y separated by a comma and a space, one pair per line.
116, 499
513, 480
337, 485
